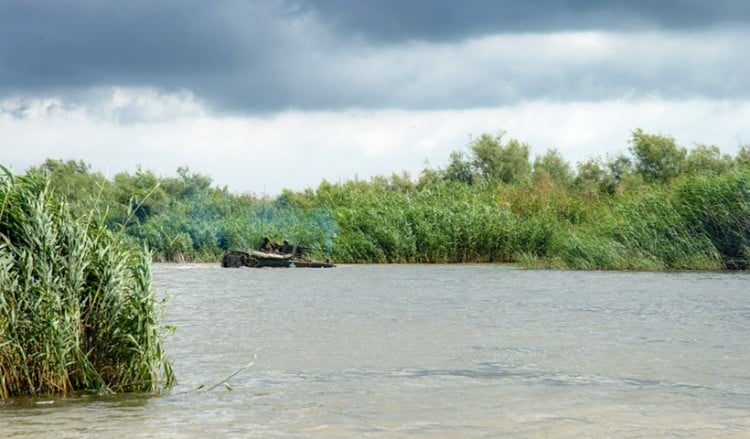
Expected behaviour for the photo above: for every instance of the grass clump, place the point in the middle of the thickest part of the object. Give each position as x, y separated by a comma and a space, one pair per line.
77, 312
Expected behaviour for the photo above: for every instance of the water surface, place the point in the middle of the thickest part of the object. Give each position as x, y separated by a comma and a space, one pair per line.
433, 351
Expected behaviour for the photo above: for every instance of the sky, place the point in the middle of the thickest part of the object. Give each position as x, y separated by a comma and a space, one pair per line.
264, 95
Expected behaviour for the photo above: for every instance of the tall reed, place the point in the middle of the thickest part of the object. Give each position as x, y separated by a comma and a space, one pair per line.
635, 231
77, 311
718, 207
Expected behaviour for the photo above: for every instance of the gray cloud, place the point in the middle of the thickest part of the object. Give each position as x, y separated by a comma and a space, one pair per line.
69, 43
389, 20
261, 56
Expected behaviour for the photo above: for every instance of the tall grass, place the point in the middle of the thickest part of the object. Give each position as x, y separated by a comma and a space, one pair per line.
449, 223
642, 230
718, 207
699, 224
204, 226
661, 209
77, 312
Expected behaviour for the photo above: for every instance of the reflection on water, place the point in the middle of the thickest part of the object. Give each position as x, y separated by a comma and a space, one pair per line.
433, 351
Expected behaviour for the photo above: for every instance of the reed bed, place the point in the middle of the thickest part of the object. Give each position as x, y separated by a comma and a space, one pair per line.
610, 214
718, 207
77, 311
698, 223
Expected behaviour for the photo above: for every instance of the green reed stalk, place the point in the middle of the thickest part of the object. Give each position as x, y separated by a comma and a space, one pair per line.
77, 312
718, 207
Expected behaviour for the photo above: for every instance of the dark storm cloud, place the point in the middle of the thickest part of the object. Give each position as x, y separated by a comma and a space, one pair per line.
84, 43
271, 55
389, 20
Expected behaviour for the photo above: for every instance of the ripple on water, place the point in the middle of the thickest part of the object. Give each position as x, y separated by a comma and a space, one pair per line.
434, 351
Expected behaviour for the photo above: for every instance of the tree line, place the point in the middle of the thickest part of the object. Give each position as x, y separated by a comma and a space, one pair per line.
659, 206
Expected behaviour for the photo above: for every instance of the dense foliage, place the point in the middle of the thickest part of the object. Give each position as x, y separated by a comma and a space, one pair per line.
660, 206
76, 308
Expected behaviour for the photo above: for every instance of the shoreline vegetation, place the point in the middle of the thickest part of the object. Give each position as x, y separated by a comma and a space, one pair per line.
660, 206
77, 312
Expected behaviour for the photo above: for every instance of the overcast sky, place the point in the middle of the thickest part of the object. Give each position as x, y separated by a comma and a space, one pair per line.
267, 94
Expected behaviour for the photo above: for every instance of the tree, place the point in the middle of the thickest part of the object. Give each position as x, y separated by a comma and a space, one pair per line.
401, 182
592, 172
553, 167
187, 185
459, 169
507, 163
141, 193
657, 158
619, 167
704, 158
73, 180
429, 178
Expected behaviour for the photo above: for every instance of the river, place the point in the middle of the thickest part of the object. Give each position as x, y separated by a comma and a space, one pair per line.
438, 351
